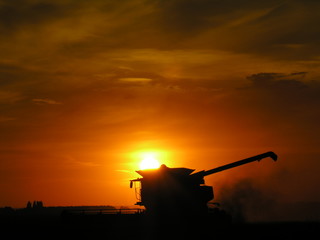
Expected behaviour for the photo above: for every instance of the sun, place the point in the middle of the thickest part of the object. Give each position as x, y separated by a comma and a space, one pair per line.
149, 161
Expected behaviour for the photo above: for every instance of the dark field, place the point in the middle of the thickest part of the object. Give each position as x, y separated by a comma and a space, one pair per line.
135, 226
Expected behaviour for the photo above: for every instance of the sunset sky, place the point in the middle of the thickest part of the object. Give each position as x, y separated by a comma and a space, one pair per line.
87, 87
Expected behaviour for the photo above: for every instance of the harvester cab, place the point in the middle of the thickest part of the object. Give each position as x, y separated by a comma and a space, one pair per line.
180, 191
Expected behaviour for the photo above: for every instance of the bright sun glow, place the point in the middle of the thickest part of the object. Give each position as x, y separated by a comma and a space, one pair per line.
149, 161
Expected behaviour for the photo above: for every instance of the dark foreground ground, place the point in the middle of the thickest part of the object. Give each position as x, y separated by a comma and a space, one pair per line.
140, 227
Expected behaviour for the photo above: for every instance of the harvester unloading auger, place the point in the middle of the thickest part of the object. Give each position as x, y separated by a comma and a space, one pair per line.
179, 191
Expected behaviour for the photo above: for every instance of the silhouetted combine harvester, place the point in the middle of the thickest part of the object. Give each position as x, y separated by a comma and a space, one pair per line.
178, 193
174, 195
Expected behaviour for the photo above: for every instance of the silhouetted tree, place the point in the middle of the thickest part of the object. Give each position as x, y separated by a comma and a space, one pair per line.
40, 204
37, 204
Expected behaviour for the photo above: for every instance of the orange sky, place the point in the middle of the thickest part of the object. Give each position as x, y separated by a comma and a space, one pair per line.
86, 85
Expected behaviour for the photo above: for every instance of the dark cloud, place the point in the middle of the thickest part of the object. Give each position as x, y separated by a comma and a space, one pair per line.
278, 29
192, 16
287, 89
273, 28
289, 31
278, 81
24, 15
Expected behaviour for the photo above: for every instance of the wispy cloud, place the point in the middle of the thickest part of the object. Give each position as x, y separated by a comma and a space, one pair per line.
45, 101
135, 80
9, 96
5, 119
